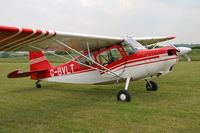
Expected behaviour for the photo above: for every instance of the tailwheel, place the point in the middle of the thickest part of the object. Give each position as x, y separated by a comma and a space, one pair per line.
151, 86
124, 95
37, 84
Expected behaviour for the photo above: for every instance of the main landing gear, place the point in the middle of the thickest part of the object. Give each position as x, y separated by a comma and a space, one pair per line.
37, 84
124, 95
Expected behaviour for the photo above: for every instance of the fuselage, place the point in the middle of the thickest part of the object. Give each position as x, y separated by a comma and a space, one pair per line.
140, 64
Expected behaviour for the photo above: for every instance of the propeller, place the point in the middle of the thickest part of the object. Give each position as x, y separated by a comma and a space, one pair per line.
180, 50
183, 51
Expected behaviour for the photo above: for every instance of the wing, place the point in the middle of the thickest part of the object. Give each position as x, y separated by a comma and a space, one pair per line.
151, 40
20, 39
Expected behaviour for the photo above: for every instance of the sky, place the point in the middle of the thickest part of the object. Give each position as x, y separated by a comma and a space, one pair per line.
137, 18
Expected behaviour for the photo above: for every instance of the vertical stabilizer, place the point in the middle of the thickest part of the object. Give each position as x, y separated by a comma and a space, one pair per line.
38, 61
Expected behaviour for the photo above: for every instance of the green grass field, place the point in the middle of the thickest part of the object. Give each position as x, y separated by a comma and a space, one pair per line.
175, 107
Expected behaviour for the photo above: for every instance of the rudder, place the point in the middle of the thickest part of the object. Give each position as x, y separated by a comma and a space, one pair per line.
38, 61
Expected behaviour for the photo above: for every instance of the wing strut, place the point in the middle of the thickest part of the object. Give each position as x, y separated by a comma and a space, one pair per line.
73, 60
61, 43
88, 48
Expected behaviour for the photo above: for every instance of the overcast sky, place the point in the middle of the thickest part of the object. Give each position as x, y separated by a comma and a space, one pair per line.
135, 18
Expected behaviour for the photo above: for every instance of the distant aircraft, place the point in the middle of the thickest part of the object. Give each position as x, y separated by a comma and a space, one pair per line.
100, 58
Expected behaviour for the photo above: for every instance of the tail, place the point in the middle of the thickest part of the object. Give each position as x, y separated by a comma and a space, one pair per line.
39, 67
38, 61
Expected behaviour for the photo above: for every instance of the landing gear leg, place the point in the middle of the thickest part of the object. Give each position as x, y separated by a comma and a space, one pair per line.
151, 85
37, 84
124, 95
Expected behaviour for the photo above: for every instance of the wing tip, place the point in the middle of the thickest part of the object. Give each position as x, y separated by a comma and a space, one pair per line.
171, 37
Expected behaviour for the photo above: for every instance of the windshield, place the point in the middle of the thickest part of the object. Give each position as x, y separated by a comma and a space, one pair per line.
134, 44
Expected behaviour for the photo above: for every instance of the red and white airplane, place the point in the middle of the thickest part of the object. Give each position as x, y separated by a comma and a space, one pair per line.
100, 58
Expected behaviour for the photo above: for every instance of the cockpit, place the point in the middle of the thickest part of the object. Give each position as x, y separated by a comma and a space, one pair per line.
131, 46
114, 53
108, 56
136, 46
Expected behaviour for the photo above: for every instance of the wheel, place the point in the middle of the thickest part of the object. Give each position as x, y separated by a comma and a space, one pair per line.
123, 95
38, 86
151, 86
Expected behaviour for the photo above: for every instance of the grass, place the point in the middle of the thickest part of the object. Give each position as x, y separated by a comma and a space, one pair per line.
94, 108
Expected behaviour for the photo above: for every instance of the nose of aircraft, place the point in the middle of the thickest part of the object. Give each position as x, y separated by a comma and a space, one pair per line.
183, 50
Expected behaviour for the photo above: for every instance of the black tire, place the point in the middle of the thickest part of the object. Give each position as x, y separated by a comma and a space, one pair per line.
38, 86
151, 86
123, 95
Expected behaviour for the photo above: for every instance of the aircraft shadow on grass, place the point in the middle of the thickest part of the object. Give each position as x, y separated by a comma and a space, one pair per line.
103, 91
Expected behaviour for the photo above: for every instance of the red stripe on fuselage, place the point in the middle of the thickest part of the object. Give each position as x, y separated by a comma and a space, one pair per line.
133, 60
144, 63
138, 60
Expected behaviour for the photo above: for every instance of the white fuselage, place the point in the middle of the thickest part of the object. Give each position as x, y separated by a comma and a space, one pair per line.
136, 69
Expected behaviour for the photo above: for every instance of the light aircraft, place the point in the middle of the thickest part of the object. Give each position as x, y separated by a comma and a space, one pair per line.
100, 58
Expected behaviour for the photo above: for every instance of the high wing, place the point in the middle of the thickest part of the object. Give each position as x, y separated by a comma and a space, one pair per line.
21, 39
15, 39
151, 40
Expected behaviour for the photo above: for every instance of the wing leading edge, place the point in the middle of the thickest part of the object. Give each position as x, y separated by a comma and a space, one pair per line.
20, 39
151, 40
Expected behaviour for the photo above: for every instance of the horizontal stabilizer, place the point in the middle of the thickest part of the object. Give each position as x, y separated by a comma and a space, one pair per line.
17, 74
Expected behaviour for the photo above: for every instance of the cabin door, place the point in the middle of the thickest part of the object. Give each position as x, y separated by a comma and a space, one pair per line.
113, 59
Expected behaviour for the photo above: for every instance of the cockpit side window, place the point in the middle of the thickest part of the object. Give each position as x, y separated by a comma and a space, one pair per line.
109, 56
83, 60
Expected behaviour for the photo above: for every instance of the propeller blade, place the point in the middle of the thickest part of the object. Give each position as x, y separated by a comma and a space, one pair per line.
187, 57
